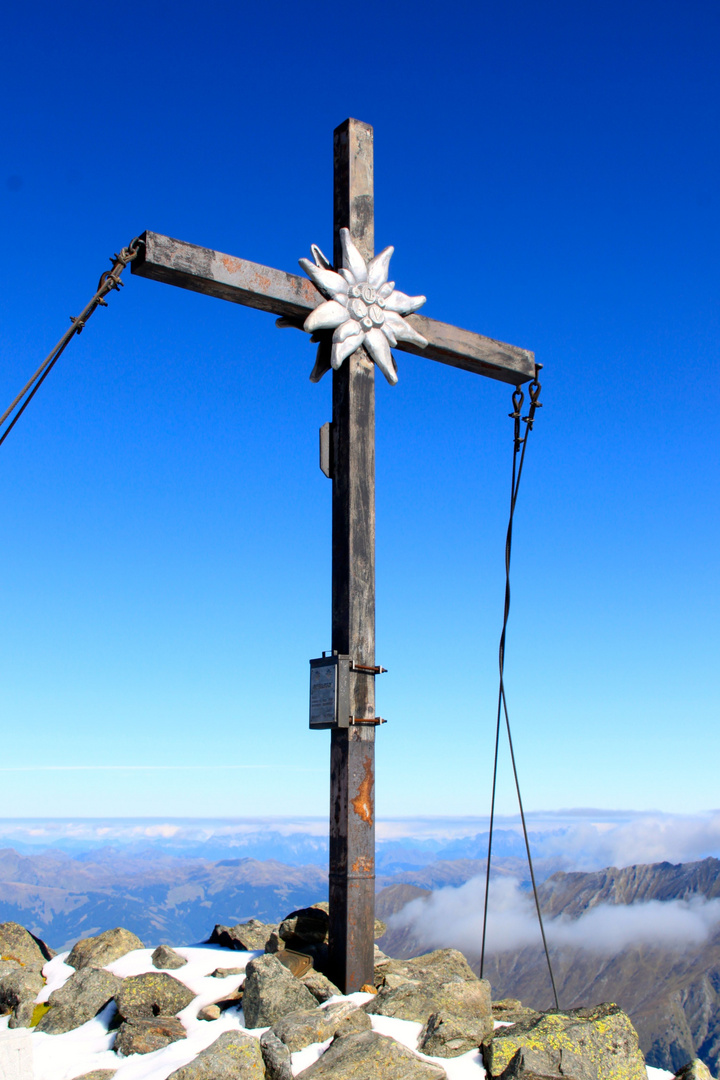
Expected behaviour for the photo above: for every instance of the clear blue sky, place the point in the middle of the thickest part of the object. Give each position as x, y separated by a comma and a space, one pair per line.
548, 175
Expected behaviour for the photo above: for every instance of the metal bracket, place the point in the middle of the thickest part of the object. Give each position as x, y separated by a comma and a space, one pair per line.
366, 669
327, 455
355, 721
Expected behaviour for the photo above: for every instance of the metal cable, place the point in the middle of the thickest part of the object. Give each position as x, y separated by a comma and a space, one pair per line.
108, 281
502, 709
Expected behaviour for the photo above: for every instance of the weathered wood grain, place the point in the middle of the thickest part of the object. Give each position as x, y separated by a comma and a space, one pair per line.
352, 750
243, 282
215, 274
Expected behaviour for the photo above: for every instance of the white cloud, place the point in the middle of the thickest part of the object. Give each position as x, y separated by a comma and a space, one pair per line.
452, 918
645, 838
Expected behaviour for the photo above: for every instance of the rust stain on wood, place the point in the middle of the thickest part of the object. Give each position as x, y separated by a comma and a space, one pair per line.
362, 803
363, 865
233, 266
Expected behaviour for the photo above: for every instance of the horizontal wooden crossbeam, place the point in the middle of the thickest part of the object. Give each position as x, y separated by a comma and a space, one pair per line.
243, 282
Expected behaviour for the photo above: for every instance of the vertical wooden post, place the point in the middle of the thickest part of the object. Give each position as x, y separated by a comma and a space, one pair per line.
352, 754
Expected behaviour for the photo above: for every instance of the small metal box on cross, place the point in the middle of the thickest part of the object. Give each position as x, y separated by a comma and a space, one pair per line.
348, 456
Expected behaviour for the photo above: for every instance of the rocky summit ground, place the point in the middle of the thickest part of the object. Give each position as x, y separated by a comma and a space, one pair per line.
254, 1002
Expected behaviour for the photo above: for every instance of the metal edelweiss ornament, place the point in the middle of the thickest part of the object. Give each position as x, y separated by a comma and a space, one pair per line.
362, 307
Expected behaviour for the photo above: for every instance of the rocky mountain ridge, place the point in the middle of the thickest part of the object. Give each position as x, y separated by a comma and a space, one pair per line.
672, 995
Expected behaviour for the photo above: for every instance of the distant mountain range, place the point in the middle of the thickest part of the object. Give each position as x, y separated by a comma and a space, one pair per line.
160, 898
671, 994
294, 848
166, 899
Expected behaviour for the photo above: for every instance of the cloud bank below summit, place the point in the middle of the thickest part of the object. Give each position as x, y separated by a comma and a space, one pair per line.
452, 918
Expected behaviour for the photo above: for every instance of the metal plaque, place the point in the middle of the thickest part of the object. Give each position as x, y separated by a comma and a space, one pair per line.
330, 692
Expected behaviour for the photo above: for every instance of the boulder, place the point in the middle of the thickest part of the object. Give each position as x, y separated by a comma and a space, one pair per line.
512, 1011
228, 1001
84, 994
461, 1024
144, 1036
305, 930
233, 1056
210, 1012
142, 997
222, 973
367, 1056
18, 944
694, 1070
357, 1020
299, 1029
585, 1044
166, 959
276, 1056
443, 965
440, 991
250, 936
270, 991
98, 1074
274, 943
18, 990
103, 949
307, 926
320, 986
6, 966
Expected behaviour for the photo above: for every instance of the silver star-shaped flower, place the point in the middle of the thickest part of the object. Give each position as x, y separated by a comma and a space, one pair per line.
362, 307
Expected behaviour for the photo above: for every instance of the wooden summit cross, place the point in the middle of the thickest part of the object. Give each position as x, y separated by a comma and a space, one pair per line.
352, 468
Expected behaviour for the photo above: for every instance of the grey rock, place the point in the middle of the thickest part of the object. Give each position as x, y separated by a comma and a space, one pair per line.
98, 1074
307, 926
229, 1001
166, 959
210, 1012
142, 997
307, 931
357, 1020
270, 991
274, 943
103, 949
144, 1036
694, 1070
440, 991
380, 929
6, 966
222, 973
320, 986
585, 1044
249, 936
461, 1021
18, 944
233, 1056
379, 956
18, 990
512, 1011
299, 1029
278, 1063
443, 965
367, 1056
84, 994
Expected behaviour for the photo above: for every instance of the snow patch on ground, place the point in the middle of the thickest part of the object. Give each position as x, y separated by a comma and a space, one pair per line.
33, 1055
